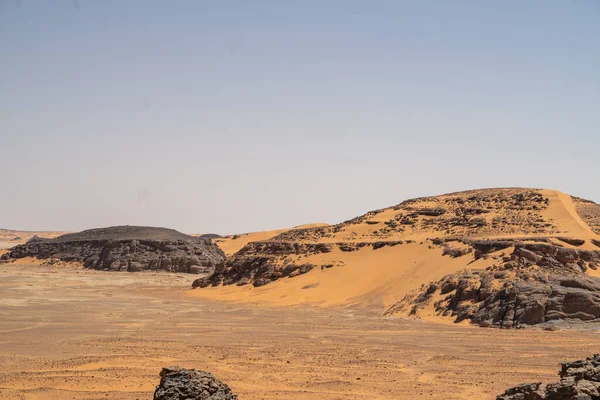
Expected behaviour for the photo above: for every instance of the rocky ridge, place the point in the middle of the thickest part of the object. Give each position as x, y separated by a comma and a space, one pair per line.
461, 214
126, 248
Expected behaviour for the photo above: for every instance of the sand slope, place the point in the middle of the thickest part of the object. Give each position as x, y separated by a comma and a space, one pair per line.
377, 278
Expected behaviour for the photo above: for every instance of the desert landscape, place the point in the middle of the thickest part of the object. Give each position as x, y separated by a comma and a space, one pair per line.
299, 200
459, 296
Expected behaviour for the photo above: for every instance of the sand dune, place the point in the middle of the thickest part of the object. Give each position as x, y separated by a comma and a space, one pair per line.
380, 277
362, 278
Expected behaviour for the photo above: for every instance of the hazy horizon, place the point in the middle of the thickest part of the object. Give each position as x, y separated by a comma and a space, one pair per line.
232, 117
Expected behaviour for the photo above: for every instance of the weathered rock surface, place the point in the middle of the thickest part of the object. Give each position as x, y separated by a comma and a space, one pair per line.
539, 283
508, 211
188, 384
127, 248
579, 380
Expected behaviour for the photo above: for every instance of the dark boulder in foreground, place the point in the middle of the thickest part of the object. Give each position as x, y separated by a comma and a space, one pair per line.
579, 380
188, 384
127, 248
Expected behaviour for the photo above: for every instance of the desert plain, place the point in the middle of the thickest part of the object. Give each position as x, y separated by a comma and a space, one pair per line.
71, 332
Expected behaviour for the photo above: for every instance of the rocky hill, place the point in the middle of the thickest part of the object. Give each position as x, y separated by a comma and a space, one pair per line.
126, 248
496, 257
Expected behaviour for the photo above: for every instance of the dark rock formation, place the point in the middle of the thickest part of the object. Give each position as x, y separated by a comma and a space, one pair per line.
257, 271
35, 239
429, 212
538, 284
579, 380
188, 384
211, 236
127, 248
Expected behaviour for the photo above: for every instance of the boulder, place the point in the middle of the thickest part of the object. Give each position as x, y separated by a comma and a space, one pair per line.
189, 384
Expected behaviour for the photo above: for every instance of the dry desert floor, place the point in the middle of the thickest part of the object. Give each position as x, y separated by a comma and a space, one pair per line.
69, 333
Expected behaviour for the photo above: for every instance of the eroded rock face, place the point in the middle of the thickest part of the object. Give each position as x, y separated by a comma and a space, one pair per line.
127, 249
538, 283
579, 380
188, 384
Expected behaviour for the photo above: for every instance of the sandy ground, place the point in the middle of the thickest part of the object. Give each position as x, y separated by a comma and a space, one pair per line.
75, 334
10, 238
377, 278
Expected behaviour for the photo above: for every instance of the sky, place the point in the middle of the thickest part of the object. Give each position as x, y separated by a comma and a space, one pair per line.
237, 116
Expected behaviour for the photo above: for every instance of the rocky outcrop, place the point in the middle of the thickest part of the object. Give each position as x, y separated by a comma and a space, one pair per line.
36, 239
127, 249
539, 283
275, 248
188, 384
210, 236
579, 380
257, 271
572, 241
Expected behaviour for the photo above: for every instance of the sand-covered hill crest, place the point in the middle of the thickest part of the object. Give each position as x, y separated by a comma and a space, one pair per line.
382, 256
484, 213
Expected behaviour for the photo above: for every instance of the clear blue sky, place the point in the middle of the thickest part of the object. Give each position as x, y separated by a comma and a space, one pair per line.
234, 116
